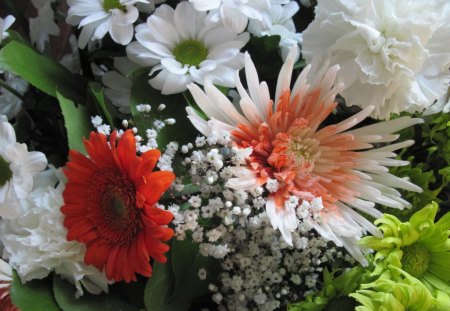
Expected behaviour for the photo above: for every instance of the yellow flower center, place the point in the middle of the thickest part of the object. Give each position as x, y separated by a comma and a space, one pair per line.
303, 149
416, 259
5, 172
190, 52
113, 4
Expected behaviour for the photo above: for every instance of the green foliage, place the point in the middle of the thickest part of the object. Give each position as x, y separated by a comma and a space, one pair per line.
76, 122
142, 93
334, 293
263, 48
96, 92
429, 166
42, 72
35, 295
175, 284
65, 297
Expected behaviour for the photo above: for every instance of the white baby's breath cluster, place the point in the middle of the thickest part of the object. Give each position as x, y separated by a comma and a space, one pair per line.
264, 273
261, 271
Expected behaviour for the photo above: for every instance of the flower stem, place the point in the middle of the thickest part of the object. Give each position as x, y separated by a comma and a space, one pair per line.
7, 87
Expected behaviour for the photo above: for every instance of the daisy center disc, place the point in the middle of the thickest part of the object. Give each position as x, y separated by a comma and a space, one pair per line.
5, 172
190, 52
416, 259
113, 4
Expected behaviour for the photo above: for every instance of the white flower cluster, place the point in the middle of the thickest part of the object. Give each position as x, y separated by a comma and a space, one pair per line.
264, 273
393, 55
261, 271
31, 224
35, 243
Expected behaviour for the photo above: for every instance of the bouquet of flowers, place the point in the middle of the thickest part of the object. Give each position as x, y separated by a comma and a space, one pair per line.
224, 155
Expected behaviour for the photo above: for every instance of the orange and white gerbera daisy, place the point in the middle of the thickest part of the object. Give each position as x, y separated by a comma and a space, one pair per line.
109, 204
308, 160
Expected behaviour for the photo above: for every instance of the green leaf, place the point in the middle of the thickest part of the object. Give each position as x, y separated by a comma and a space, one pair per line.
65, 297
97, 93
35, 295
187, 261
175, 284
76, 123
143, 93
160, 287
266, 43
42, 72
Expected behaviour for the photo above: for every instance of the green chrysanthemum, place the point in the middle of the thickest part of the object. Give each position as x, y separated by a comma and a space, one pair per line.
420, 247
404, 294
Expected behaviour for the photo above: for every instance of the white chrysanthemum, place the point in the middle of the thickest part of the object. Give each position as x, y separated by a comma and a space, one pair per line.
185, 48
347, 168
36, 243
394, 55
10, 98
4, 26
98, 17
118, 86
281, 24
17, 168
43, 24
236, 13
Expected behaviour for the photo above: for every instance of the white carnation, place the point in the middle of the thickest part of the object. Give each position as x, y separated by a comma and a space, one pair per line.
394, 55
36, 243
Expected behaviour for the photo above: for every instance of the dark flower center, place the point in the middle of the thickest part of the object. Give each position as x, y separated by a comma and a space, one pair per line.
112, 206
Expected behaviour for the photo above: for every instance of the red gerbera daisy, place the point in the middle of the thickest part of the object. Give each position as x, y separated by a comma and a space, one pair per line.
109, 204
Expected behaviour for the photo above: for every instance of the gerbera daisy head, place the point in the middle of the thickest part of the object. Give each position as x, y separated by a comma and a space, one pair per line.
184, 46
309, 161
420, 247
109, 204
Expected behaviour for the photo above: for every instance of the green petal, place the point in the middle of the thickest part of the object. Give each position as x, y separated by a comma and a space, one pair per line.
444, 222
426, 213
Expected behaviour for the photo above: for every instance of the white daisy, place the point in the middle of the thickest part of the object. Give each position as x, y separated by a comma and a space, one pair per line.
185, 48
281, 24
98, 17
118, 85
394, 55
236, 13
309, 160
35, 243
4, 26
17, 168
43, 25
